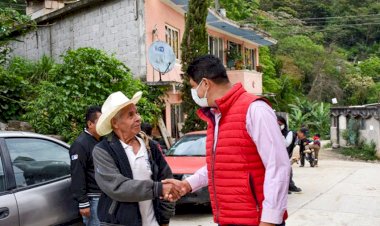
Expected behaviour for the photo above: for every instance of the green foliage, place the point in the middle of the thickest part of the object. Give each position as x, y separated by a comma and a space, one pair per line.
194, 44
359, 89
371, 67
239, 9
12, 22
314, 115
54, 97
303, 50
364, 151
12, 89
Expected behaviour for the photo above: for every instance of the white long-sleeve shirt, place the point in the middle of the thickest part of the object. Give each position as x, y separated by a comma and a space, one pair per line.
261, 123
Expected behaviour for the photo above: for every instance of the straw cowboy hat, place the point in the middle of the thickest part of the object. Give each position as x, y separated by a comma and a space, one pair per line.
114, 103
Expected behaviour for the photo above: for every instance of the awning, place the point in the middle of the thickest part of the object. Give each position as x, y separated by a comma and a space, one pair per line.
244, 32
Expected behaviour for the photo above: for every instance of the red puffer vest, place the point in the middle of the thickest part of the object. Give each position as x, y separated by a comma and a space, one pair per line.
235, 170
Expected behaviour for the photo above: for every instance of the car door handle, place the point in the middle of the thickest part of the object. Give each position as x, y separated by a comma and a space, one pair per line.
4, 212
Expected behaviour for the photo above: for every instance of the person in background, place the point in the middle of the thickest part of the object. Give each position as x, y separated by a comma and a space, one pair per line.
316, 146
290, 140
83, 185
303, 143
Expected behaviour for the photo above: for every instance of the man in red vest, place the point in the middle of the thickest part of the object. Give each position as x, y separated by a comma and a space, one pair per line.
247, 170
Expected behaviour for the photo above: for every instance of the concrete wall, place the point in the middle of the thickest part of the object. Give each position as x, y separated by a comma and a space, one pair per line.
160, 14
342, 127
251, 80
372, 132
116, 26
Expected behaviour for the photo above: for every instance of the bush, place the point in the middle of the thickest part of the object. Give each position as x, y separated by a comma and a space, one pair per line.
86, 77
12, 89
316, 116
364, 151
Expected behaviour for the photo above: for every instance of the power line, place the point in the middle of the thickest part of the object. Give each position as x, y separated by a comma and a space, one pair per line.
338, 17
325, 18
347, 23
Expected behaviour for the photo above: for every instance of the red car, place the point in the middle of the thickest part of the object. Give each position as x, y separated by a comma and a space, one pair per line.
185, 157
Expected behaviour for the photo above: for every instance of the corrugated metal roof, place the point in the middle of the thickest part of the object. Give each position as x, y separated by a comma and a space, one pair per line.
248, 33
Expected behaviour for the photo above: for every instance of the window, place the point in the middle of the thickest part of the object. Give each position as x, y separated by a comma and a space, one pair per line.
249, 58
172, 38
234, 56
37, 160
215, 47
234, 48
2, 177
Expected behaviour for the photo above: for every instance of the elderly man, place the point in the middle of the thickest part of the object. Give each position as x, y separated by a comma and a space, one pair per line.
128, 169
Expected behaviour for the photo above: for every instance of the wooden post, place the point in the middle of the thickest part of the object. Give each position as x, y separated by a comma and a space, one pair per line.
164, 132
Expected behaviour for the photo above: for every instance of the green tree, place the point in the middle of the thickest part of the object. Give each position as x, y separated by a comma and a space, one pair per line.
371, 67
194, 44
86, 77
239, 9
12, 22
358, 89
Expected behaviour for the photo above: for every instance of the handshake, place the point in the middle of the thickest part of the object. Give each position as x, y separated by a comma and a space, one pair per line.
173, 189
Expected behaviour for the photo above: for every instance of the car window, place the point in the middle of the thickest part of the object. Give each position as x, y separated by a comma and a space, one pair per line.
37, 160
2, 177
189, 145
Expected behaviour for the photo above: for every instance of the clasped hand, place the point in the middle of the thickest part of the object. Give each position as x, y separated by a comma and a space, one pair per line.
173, 189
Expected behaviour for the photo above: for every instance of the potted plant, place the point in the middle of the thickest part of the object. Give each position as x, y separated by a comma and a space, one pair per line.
235, 59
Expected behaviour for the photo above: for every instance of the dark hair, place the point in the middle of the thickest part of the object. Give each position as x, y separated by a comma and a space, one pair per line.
283, 120
304, 131
146, 128
207, 66
317, 135
91, 113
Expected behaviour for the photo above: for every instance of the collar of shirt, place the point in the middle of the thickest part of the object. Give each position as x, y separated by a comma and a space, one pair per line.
86, 131
128, 148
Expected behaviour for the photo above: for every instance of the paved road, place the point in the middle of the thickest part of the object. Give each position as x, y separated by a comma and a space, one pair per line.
337, 193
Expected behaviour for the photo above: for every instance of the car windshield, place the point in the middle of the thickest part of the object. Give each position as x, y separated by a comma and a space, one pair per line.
189, 145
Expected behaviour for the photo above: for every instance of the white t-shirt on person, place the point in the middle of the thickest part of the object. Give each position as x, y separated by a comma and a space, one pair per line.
141, 170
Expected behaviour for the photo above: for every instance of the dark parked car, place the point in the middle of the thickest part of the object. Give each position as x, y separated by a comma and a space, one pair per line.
35, 181
185, 157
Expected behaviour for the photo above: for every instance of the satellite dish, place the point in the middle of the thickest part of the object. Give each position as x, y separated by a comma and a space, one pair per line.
161, 57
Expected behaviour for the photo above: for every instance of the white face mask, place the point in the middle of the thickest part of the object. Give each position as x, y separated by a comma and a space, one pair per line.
202, 102
282, 127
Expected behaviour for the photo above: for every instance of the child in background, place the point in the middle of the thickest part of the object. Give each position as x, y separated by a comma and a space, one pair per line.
315, 146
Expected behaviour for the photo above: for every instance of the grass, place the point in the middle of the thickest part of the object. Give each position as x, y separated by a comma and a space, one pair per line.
363, 151
327, 145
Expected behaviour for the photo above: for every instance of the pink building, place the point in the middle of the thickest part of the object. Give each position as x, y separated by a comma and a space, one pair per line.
166, 22
126, 28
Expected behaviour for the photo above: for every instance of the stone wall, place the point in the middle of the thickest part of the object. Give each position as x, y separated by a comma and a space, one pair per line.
116, 26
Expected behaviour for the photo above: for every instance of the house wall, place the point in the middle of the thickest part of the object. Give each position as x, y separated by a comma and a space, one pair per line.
342, 127
159, 14
372, 132
115, 26
226, 37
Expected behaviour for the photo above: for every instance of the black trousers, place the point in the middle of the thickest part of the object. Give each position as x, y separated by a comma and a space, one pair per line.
309, 157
